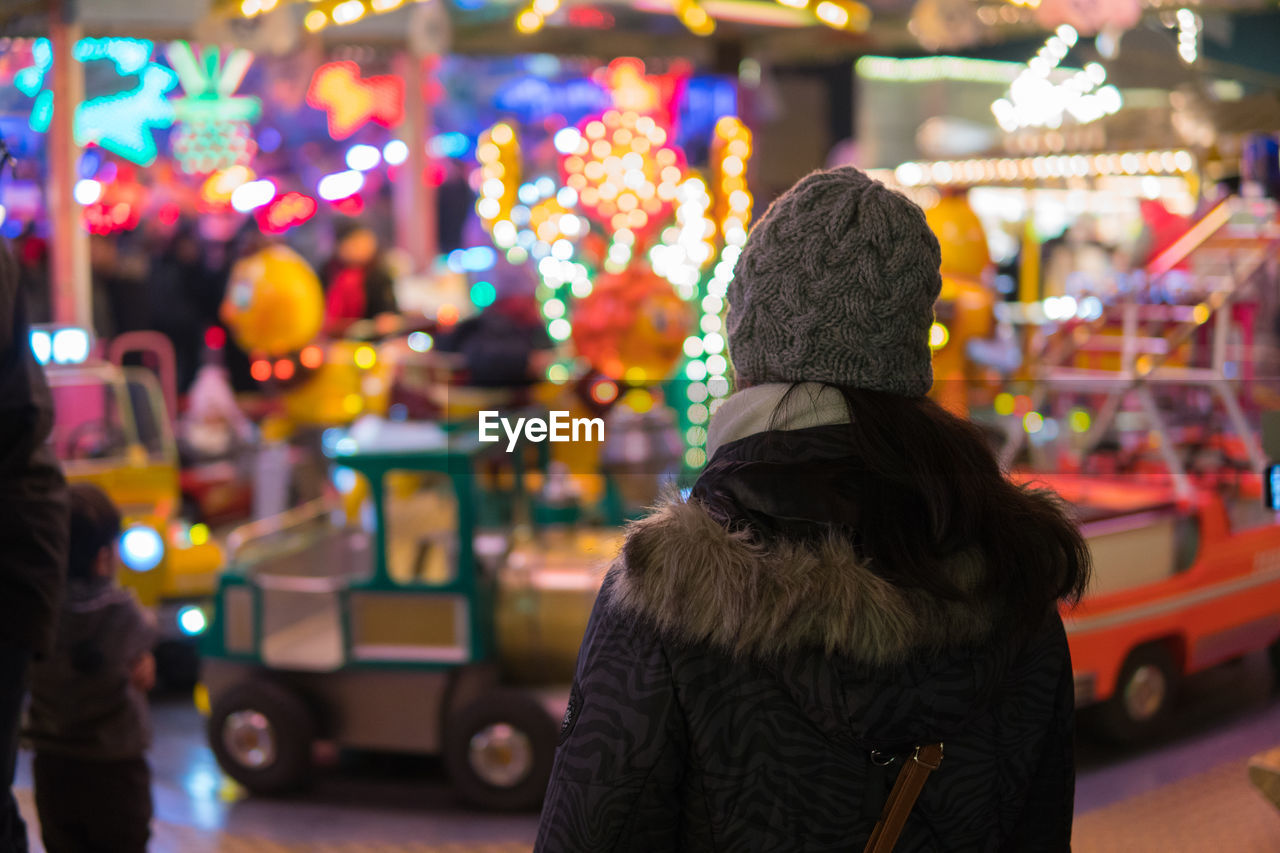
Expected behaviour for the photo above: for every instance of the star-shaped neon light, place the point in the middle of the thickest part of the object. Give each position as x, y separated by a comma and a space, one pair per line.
121, 123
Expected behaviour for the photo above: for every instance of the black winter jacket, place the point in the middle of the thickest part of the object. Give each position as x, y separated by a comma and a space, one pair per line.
741, 665
33, 502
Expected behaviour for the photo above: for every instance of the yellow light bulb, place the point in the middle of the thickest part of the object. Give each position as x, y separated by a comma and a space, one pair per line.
832, 15
529, 21
502, 134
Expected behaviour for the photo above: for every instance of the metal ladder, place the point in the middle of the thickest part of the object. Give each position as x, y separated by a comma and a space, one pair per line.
1228, 248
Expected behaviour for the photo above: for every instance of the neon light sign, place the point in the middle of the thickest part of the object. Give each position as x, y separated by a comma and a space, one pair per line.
287, 211
120, 123
213, 130
352, 101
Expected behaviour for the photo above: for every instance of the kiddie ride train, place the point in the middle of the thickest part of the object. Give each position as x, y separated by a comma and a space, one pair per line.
113, 427
431, 603
1164, 473
427, 617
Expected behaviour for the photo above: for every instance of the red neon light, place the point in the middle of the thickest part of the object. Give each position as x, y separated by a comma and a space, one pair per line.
352, 205
591, 17
215, 337
287, 211
102, 218
351, 101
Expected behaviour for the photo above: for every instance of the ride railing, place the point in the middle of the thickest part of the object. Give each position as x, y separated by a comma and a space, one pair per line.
309, 548
1174, 331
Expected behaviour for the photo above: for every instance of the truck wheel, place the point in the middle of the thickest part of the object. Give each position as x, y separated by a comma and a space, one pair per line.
261, 733
498, 750
1143, 696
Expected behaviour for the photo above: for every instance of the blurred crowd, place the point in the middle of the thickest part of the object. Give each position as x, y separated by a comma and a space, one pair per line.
174, 282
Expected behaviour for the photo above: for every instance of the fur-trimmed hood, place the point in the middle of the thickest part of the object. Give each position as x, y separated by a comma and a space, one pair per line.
700, 582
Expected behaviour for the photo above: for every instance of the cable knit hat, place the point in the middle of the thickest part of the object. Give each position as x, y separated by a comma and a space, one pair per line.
836, 284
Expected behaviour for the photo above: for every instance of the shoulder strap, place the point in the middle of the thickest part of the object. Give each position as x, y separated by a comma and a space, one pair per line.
903, 797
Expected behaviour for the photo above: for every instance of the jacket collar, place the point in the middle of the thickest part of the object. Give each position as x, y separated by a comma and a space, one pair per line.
756, 409
702, 582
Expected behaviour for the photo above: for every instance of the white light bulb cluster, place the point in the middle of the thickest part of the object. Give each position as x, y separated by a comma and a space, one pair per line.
541, 224
618, 255
1007, 169
337, 186
1188, 35
686, 246
1053, 309
1036, 101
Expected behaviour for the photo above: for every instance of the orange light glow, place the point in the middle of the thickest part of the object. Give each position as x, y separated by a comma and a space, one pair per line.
311, 357
604, 392
260, 370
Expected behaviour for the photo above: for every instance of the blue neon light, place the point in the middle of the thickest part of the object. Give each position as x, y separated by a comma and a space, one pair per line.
121, 123
141, 548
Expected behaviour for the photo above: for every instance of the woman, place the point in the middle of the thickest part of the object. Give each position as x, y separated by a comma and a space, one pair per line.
357, 285
851, 578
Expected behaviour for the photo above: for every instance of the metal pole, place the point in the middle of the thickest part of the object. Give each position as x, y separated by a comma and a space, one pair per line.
69, 244
414, 196
1226, 393
1181, 484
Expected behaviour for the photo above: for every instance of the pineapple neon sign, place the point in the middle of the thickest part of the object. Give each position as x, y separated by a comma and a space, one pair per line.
213, 128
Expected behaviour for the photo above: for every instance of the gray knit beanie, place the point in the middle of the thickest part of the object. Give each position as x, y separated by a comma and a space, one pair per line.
836, 284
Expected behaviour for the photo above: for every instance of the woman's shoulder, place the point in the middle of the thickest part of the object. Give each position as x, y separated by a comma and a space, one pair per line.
699, 580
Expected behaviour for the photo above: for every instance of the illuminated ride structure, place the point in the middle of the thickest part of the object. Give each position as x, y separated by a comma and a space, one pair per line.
633, 247
1167, 479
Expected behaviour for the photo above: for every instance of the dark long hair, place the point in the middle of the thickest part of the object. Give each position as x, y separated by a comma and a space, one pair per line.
928, 486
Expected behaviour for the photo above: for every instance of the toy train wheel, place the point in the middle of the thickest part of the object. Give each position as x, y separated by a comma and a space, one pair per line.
1143, 696
499, 749
261, 733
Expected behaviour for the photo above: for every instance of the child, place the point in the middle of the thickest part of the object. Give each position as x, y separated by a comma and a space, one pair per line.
88, 720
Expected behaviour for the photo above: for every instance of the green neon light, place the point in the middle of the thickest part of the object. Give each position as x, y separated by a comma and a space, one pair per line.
213, 130
29, 81
41, 112
120, 123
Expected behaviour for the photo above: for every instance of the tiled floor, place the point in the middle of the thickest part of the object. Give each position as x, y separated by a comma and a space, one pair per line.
1213, 811
1189, 793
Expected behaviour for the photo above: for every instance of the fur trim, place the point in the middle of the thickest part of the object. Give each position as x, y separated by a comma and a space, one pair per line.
700, 583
